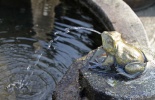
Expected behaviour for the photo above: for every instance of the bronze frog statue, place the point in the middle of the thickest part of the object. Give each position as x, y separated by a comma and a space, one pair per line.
129, 61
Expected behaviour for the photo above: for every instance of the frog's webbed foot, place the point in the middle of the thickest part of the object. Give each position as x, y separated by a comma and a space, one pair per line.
93, 65
97, 64
129, 76
102, 62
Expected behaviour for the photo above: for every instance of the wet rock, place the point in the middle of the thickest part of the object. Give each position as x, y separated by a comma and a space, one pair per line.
68, 88
99, 86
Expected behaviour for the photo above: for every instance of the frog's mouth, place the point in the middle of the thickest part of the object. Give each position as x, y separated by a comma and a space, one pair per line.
145, 58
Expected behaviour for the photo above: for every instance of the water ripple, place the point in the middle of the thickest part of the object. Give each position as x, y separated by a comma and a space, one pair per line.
30, 68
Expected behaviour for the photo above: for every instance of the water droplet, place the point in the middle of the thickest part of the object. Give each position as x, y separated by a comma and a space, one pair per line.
49, 46
56, 33
56, 38
28, 68
22, 86
67, 30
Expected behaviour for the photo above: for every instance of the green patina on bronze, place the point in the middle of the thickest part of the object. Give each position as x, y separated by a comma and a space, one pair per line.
128, 59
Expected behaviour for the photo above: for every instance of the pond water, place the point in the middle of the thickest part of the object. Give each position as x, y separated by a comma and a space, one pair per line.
30, 66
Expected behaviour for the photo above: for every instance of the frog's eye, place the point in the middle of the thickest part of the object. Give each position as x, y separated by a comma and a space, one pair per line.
110, 42
107, 40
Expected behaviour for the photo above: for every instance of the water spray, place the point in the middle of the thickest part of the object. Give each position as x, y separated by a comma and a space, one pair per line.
24, 83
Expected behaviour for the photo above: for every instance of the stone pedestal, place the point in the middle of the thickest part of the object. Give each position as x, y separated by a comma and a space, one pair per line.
111, 86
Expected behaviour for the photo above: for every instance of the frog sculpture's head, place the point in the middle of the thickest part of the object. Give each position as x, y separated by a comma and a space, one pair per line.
110, 40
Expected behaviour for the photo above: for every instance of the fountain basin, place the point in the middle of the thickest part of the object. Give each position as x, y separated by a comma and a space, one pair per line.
114, 15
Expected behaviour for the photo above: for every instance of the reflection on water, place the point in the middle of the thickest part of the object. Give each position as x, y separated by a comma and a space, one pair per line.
43, 16
31, 67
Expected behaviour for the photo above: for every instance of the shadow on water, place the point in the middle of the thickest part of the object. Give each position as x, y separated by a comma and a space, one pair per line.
29, 69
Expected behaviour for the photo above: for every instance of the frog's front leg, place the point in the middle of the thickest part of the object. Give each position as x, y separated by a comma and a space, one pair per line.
107, 62
131, 70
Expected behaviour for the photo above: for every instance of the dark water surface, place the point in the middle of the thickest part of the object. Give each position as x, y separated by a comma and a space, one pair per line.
29, 70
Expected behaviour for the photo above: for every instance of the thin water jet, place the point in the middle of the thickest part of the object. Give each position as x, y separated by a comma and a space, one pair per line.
67, 30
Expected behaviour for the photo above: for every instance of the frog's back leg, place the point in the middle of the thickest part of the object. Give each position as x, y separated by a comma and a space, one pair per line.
129, 76
134, 67
131, 70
